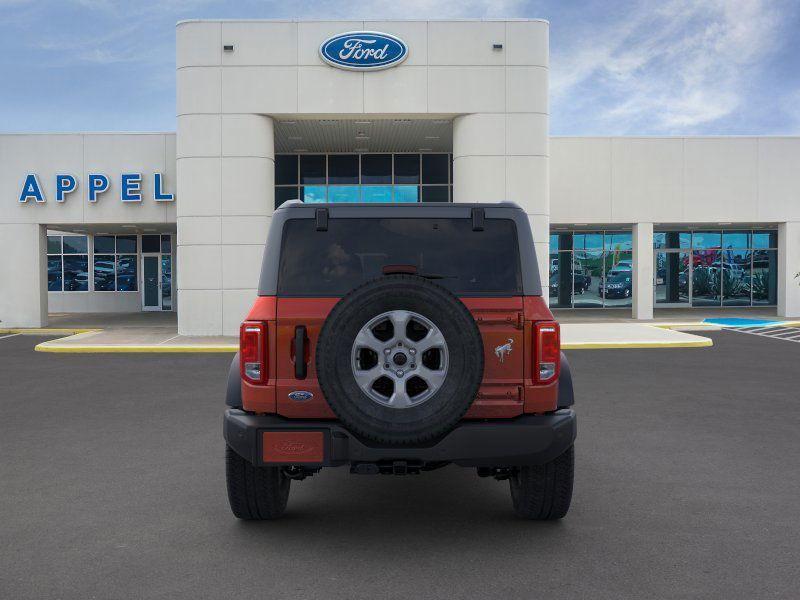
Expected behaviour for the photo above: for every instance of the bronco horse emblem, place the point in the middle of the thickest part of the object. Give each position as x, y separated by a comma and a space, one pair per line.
503, 350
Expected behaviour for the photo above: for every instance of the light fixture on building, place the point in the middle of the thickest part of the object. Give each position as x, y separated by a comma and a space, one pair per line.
497, 46
128, 226
228, 47
363, 122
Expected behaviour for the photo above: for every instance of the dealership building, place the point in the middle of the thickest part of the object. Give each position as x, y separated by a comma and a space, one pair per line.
389, 111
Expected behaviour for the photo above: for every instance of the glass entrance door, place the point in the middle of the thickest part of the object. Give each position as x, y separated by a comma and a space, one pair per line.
151, 279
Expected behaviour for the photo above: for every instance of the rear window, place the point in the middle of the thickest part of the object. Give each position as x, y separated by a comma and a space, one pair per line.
353, 251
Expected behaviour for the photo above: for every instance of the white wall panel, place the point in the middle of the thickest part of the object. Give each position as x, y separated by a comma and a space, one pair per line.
328, 90
199, 90
526, 89
527, 43
247, 135
259, 90
466, 42
403, 89
199, 135
466, 89
720, 179
580, 180
647, 179
200, 181
198, 44
250, 229
241, 266
200, 267
259, 43
779, 179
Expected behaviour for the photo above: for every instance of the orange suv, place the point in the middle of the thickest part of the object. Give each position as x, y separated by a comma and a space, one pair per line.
398, 339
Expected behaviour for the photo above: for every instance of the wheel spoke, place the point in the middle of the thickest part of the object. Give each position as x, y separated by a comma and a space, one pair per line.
433, 339
367, 377
399, 319
367, 339
400, 398
433, 377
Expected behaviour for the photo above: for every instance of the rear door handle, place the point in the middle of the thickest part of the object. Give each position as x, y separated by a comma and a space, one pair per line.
300, 367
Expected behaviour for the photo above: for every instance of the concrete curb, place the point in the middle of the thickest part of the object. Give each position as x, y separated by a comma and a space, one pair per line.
704, 343
60, 347
153, 348
46, 331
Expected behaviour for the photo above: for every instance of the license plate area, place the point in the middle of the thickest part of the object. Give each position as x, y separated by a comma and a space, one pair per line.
292, 447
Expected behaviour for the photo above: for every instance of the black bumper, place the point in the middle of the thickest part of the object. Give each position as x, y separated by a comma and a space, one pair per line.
525, 440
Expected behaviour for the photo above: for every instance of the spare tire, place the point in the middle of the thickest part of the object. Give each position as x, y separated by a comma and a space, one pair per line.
400, 360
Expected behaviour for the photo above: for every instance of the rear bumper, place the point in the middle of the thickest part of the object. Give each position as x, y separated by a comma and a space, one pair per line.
525, 440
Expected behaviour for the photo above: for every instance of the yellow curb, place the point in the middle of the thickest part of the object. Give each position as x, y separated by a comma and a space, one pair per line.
98, 349
698, 326
704, 343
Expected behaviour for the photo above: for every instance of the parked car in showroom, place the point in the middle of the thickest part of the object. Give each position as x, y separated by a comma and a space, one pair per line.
618, 285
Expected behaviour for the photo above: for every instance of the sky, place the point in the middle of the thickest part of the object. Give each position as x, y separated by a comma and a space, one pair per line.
638, 67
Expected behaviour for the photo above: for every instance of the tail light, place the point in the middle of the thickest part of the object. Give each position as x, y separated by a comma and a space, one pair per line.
547, 344
253, 351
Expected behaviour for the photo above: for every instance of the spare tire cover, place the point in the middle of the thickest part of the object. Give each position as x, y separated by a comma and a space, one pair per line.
400, 360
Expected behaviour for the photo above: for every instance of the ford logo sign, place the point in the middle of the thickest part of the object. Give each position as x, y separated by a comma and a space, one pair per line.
363, 50
300, 396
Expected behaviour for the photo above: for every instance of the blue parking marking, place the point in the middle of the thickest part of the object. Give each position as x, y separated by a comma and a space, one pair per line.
742, 322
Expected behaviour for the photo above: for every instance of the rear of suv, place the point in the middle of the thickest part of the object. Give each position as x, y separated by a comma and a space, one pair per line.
397, 339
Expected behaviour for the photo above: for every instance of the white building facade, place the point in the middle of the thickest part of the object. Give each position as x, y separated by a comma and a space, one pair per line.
126, 222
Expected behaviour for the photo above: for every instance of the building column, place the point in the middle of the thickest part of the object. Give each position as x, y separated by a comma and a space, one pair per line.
642, 271
505, 157
788, 269
226, 175
23, 271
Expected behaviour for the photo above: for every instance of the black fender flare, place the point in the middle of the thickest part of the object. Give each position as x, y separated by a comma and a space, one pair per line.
233, 395
566, 395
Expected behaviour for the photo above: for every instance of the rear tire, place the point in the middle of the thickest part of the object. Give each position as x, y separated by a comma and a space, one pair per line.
544, 492
255, 493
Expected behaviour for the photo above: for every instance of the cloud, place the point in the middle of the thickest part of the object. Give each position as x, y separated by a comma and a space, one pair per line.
674, 68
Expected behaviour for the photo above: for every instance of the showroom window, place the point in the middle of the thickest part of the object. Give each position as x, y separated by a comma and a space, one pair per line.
591, 269
67, 263
115, 263
715, 267
377, 177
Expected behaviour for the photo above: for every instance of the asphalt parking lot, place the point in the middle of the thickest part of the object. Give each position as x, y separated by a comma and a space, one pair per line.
687, 486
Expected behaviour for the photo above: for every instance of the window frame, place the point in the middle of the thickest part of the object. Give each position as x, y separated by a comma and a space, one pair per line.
721, 249
299, 187
89, 265
116, 255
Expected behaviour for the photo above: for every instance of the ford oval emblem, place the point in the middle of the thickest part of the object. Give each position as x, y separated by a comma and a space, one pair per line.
363, 50
300, 396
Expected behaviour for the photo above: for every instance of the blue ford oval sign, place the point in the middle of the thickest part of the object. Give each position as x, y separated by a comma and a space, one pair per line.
300, 396
363, 50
